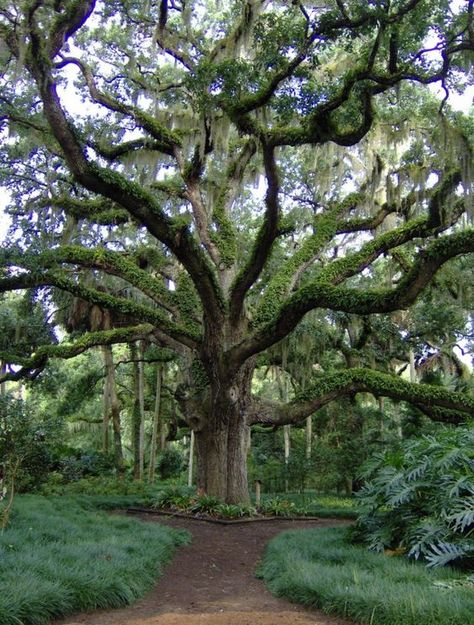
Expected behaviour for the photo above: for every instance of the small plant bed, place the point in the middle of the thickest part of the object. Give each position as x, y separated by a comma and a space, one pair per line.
58, 556
319, 568
183, 502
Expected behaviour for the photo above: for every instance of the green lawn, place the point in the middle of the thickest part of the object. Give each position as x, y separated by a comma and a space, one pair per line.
318, 568
58, 555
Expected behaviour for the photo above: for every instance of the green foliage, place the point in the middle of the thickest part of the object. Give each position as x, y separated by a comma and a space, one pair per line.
170, 463
319, 568
83, 464
60, 557
26, 442
205, 504
310, 504
178, 497
420, 498
183, 499
278, 507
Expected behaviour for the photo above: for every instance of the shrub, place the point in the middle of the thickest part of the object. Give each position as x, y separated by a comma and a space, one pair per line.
85, 463
205, 504
278, 507
420, 499
173, 497
170, 463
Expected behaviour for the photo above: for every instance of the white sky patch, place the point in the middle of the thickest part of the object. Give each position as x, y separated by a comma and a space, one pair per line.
4, 218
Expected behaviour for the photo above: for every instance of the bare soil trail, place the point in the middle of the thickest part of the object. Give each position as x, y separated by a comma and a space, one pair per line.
212, 581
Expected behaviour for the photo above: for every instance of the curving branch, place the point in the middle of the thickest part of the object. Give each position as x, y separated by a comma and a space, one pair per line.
440, 403
141, 204
32, 365
111, 262
322, 294
265, 238
126, 308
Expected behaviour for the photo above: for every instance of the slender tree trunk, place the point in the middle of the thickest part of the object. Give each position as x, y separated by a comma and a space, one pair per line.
136, 414
412, 366
141, 398
283, 388
3, 386
286, 441
156, 424
112, 405
191, 459
105, 405
309, 437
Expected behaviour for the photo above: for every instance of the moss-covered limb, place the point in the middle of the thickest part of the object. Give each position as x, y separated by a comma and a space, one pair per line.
201, 219
96, 210
226, 236
266, 236
364, 224
327, 225
331, 26
165, 140
126, 308
141, 204
332, 386
88, 340
109, 261
114, 152
70, 19
354, 263
281, 283
322, 294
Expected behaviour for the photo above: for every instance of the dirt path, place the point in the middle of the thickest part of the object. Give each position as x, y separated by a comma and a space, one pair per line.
212, 582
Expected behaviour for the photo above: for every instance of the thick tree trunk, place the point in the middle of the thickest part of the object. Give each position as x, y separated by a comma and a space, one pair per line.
222, 440
222, 459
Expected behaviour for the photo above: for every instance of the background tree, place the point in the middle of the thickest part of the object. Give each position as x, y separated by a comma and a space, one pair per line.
186, 107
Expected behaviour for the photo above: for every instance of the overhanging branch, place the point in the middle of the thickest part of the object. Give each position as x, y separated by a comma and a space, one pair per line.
329, 387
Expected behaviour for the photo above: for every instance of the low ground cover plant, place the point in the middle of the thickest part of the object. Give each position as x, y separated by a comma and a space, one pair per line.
183, 499
58, 555
420, 499
320, 568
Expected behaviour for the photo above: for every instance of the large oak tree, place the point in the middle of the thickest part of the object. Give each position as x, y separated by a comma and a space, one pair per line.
138, 137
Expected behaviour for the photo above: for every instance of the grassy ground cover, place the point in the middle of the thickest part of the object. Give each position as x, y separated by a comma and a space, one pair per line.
60, 555
318, 568
327, 506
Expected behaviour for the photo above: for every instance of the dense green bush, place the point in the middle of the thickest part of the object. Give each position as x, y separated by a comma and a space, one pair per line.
170, 463
80, 464
320, 568
26, 442
59, 555
420, 498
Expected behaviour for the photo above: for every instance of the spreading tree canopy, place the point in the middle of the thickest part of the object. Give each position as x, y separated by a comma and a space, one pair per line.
208, 173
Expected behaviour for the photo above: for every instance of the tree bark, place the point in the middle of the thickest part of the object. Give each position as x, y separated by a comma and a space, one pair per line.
105, 406
136, 415
222, 438
191, 459
111, 402
309, 437
3, 386
156, 424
